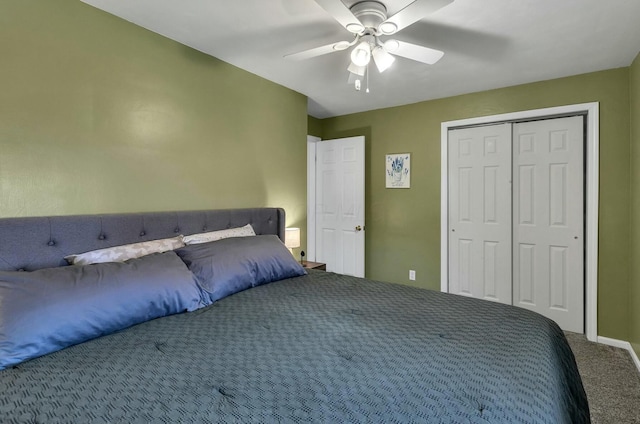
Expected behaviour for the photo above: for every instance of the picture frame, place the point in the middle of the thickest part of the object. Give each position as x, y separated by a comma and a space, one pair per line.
398, 170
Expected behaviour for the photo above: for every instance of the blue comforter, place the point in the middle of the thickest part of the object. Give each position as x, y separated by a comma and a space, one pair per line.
317, 348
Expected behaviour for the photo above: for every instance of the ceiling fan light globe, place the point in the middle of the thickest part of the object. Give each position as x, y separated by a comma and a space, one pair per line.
382, 59
357, 70
388, 28
360, 58
361, 55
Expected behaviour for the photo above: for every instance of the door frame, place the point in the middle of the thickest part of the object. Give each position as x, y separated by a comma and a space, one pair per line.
311, 196
592, 162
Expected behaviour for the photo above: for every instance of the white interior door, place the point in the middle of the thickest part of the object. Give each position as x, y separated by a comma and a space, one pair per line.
480, 212
340, 205
548, 224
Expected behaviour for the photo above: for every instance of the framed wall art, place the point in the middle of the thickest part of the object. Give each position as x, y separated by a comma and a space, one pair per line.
398, 170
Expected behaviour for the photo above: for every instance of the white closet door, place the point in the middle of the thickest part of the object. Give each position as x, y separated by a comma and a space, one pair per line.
548, 223
480, 212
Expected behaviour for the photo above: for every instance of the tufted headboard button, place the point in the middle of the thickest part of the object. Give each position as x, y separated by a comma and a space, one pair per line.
204, 228
21, 270
177, 230
51, 243
101, 237
142, 233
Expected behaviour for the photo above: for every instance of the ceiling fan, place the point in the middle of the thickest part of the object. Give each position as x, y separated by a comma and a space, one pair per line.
368, 22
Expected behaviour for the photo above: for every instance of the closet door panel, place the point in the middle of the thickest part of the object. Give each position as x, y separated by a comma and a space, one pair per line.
549, 219
480, 212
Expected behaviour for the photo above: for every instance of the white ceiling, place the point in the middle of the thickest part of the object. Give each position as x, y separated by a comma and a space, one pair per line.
487, 44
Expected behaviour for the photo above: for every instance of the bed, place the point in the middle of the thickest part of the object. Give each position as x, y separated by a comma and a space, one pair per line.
319, 347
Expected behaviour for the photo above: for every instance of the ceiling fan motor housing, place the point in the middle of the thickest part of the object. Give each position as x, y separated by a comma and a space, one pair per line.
370, 13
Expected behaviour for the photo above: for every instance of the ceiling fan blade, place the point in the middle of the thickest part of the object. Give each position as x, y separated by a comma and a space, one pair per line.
342, 14
411, 14
413, 51
319, 51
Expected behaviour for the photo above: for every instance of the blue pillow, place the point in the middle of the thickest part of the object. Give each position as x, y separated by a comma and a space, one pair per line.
49, 309
227, 266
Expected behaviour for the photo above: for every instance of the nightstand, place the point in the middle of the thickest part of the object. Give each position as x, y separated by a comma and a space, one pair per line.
314, 265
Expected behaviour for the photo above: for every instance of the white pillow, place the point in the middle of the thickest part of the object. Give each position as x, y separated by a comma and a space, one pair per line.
126, 252
245, 231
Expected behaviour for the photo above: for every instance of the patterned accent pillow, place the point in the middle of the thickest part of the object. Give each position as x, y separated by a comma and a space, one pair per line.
126, 252
245, 231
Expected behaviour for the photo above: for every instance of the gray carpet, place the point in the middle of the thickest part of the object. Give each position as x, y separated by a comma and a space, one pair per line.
611, 380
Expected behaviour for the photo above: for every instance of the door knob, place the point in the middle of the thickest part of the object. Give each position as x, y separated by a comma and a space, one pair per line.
358, 228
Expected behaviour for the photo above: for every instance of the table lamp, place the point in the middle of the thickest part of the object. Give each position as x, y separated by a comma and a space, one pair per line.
292, 238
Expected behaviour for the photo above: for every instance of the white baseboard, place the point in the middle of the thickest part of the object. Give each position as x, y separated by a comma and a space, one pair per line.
623, 345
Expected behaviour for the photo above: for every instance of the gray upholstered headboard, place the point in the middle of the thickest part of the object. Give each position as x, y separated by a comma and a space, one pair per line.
43, 242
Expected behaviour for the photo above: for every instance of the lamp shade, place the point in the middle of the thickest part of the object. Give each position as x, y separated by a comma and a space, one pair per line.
292, 237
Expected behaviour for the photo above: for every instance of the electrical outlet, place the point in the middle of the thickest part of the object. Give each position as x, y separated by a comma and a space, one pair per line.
412, 275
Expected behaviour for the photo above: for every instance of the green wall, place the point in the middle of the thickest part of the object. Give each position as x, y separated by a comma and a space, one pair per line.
99, 115
314, 126
403, 226
634, 292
